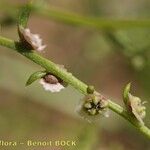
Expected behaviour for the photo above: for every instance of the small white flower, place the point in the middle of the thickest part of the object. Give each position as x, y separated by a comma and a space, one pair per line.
51, 87
31, 39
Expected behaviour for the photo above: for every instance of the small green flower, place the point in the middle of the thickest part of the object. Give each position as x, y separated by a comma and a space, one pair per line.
92, 106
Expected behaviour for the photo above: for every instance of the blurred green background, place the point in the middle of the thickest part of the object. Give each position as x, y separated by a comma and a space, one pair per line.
107, 59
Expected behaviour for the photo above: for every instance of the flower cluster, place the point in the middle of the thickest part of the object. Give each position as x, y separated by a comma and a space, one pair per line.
93, 105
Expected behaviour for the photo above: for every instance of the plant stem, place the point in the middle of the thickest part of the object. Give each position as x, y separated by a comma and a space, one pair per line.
45, 63
79, 20
94, 22
69, 78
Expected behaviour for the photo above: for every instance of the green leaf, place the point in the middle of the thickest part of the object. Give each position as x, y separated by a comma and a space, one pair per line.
24, 15
35, 76
126, 93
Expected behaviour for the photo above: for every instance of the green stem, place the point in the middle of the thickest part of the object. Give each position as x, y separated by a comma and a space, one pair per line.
78, 20
45, 63
69, 78
94, 22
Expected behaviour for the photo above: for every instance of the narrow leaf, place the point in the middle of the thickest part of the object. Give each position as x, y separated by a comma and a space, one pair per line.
35, 76
126, 93
24, 15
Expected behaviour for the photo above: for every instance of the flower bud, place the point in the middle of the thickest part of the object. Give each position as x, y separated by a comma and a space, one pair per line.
90, 89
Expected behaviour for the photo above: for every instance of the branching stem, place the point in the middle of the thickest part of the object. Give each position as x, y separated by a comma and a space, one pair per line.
61, 73
69, 78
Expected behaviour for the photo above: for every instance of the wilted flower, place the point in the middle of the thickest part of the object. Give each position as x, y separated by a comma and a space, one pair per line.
92, 106
137, 107
53, 83
31, 41
134, 105
51, 87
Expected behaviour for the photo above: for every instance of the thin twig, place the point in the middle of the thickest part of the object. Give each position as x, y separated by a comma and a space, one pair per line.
69, 78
